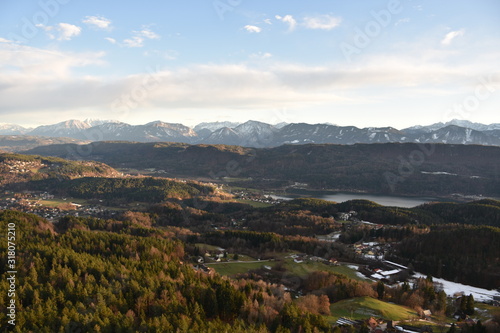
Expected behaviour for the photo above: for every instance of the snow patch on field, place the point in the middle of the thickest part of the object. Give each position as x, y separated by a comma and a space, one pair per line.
358, 274
452, 288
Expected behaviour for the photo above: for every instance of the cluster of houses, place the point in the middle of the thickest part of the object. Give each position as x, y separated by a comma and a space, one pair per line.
387, 271
204, 269
371, 250
379, 325
267, 199
22, 166
29, 202
302, 257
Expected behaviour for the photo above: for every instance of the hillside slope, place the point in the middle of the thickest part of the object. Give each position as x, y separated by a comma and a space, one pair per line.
16, 169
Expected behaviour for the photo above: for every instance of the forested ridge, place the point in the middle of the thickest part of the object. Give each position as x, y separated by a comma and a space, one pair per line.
115, 190
481, 212
393, 168
469, 254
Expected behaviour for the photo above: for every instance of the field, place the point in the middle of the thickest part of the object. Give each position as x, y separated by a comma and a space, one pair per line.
364, 307
485, 311
245, 264
59, 202
208, 247
233, 268
307, 267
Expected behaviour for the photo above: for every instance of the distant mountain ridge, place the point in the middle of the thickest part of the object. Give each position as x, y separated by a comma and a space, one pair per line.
259, 135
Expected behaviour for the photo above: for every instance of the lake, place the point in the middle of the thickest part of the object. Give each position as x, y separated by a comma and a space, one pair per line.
384, 200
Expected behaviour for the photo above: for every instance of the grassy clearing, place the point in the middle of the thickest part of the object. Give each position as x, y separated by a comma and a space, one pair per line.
236, 267
236, 179
59, 202
245, 189
485, 311
307, 267
364, 307
208, 247
242, 257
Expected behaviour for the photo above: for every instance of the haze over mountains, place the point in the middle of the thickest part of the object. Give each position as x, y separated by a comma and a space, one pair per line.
259, 134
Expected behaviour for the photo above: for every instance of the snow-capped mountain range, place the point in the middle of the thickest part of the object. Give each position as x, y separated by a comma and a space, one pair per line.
259, 134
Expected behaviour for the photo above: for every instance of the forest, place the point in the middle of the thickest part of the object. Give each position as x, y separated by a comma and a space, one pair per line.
469, 254
128, 275
115, 190
77, 280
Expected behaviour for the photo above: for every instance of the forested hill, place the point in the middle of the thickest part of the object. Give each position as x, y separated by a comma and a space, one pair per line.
394, 168
19, 169
467, 254
78, 280
92, 180
114, 191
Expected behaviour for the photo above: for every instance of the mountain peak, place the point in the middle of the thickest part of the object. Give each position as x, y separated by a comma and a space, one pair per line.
213, 126
254, 133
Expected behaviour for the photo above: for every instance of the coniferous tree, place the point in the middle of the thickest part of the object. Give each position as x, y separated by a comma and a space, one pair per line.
469, 306
380, 289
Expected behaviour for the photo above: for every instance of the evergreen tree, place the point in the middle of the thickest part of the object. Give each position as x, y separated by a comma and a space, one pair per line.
469, 306
380, 289
441, 301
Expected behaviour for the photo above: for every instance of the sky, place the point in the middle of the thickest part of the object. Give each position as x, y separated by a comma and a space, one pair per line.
364, 63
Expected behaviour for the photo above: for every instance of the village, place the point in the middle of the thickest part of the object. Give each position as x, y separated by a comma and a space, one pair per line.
47, 206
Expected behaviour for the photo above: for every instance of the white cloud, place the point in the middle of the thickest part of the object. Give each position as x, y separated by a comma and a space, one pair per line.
268, 21
134, 41
288, 19
260, 55
322, 22
99, 22
67, 31
147, 33
450, 36
38, 65
138, 38
61, 31
36, 82
252, 28
111, 40
401, 21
